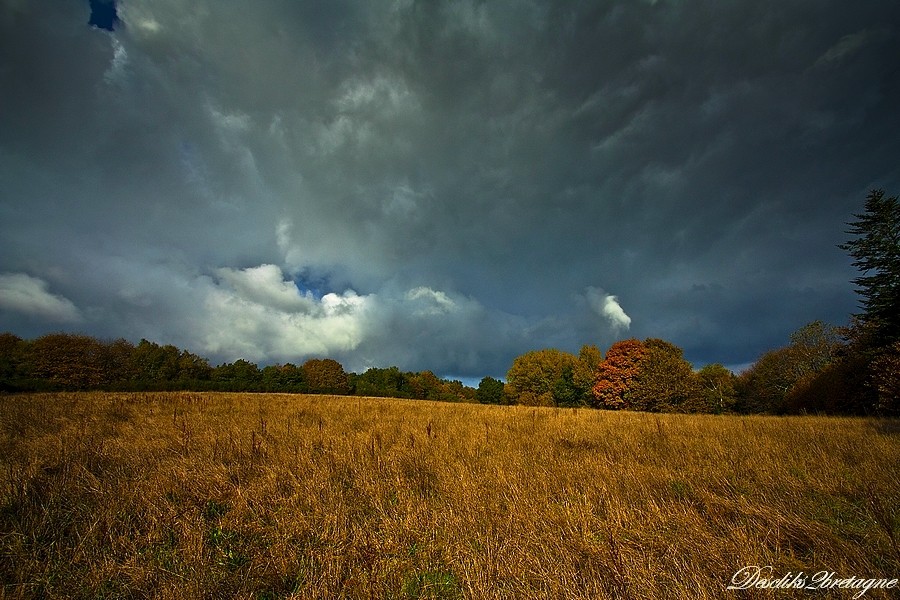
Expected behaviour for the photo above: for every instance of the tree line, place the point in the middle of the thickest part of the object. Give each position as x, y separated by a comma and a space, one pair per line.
853, 369
824, 370
64, 361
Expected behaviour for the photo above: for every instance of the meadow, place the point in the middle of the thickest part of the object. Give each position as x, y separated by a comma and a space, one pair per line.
213, 495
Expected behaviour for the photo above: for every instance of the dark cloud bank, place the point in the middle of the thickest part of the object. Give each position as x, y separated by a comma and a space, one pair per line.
439, 186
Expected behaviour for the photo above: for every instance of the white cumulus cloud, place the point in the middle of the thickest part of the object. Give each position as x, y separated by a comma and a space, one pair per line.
265, 285
259, 314
28, 295
607, 306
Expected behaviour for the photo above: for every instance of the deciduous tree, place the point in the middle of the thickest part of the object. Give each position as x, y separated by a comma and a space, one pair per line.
12, 362
153, 363
283, 378
584, 373
718, 392
241, 375
325, 376
541, 377
817, 345
490, 391
765, 387
119, 363
193, 368
425, 385
69, 361
664, 381
387, 382
885, 374
616, 374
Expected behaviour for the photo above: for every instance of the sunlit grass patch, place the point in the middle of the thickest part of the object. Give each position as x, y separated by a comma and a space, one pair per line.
173, 495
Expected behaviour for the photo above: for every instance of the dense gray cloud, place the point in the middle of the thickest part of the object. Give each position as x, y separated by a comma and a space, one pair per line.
439, 186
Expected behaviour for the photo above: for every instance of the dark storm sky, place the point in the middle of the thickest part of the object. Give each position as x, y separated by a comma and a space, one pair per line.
439, 185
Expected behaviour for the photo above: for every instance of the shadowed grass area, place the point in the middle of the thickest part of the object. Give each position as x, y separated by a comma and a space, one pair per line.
173, 495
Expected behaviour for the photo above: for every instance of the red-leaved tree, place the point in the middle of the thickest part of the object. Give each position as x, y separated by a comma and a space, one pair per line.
617, 372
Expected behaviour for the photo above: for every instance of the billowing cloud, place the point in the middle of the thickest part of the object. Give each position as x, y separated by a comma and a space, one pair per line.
607, 306
257, 314
29, 296
265, 285
439, 185
260, 314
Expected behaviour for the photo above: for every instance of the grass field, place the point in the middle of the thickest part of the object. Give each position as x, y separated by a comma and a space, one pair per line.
186, 495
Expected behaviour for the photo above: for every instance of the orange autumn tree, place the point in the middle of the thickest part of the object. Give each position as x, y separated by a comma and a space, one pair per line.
617, 372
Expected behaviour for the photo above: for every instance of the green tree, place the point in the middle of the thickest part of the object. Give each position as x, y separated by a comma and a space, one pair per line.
239, 376
717, 388
13, 351
193, 368
584, 374
325, 376
453, 390
541, 377
664, 381
283, 378
424, 385
565, 392
490, 391
764, 386
876, 253
388, 383
155, 364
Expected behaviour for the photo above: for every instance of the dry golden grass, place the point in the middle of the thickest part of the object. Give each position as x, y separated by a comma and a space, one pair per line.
186, 495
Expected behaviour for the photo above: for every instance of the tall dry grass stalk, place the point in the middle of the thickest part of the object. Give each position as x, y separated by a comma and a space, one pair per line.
186, 495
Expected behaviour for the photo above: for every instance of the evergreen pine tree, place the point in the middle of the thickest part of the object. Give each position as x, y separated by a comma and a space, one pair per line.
876, 253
